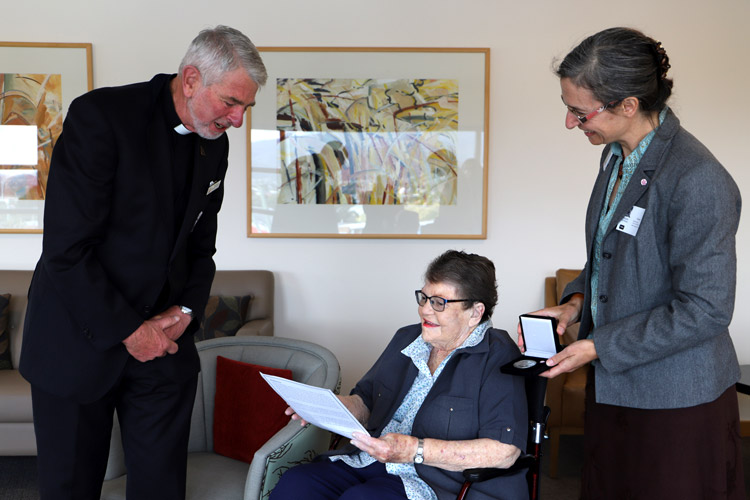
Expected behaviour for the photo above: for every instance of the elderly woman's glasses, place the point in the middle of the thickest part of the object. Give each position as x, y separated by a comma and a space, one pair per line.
438, 303
583, 118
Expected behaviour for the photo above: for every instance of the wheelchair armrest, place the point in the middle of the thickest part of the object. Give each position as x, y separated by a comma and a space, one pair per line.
477, 475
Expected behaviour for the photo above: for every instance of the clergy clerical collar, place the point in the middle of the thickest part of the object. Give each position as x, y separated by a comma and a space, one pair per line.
182, 129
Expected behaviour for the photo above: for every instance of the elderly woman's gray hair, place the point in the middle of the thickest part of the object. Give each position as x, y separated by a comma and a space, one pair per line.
471, 274
218, 50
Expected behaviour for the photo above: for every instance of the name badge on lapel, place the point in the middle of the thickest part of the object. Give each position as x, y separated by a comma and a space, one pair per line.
631, 222
213, 186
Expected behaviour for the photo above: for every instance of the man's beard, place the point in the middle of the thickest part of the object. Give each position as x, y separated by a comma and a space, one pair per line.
203, 129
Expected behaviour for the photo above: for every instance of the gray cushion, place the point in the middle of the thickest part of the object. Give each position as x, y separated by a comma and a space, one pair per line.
208, 476
207, 470
15, 394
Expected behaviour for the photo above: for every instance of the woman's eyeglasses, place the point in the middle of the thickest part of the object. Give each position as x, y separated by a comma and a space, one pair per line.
583, 118
437, 303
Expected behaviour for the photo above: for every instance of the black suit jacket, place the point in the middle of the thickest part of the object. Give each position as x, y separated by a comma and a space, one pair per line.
110, 246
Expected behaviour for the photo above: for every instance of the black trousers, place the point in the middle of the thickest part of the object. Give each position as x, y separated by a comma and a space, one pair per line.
73, 438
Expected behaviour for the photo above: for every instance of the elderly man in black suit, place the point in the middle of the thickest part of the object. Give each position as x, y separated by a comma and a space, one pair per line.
135, 186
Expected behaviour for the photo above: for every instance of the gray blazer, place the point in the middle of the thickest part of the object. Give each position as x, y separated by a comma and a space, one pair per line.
666, 295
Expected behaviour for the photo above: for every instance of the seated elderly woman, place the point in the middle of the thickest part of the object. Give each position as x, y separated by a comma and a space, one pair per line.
435, 403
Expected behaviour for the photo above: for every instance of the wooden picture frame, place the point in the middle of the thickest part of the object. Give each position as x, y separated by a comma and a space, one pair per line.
370, 142
38, 81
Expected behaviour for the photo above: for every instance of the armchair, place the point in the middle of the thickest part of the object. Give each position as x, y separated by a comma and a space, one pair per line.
215, 477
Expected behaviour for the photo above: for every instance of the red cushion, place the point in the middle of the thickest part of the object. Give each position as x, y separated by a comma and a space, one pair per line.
247, 412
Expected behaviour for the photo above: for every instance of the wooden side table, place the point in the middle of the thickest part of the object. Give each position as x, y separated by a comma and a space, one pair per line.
743, 389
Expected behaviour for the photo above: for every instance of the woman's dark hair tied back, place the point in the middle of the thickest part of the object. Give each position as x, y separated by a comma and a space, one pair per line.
617, 63
662, 60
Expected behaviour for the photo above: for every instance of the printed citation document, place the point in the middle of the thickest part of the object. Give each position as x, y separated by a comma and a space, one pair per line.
318, 406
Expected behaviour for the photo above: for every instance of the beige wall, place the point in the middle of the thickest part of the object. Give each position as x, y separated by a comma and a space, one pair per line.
352, 295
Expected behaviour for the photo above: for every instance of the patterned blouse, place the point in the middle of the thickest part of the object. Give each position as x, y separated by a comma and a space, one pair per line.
403, 418
605, 218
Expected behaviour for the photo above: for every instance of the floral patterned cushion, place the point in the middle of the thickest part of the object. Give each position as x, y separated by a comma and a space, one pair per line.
223, 316
5, 361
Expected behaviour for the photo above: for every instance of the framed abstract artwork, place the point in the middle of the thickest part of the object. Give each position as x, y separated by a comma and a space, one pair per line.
37, 83
370, 143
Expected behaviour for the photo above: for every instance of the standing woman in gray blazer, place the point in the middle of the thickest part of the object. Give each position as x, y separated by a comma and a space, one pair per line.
656, 296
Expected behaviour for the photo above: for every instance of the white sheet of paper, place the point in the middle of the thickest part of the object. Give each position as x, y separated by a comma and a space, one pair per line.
318, 406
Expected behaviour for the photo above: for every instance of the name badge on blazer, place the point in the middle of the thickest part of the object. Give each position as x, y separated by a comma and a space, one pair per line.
213, 186
631, 222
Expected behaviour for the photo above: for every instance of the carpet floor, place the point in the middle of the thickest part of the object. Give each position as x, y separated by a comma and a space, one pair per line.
18, 478
18, 474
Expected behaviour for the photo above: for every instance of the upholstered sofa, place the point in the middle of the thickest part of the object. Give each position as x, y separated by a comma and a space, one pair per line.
16, 423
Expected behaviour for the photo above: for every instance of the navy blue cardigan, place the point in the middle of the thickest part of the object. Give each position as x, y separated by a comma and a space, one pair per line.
471, 399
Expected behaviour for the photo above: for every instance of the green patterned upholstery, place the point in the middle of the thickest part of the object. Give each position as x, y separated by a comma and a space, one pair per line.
300, 449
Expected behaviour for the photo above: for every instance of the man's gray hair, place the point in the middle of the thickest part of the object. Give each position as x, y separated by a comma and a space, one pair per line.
218, 50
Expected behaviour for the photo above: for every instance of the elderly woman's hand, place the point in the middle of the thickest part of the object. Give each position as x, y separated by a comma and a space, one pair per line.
393, 448
448, 455
290, 411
